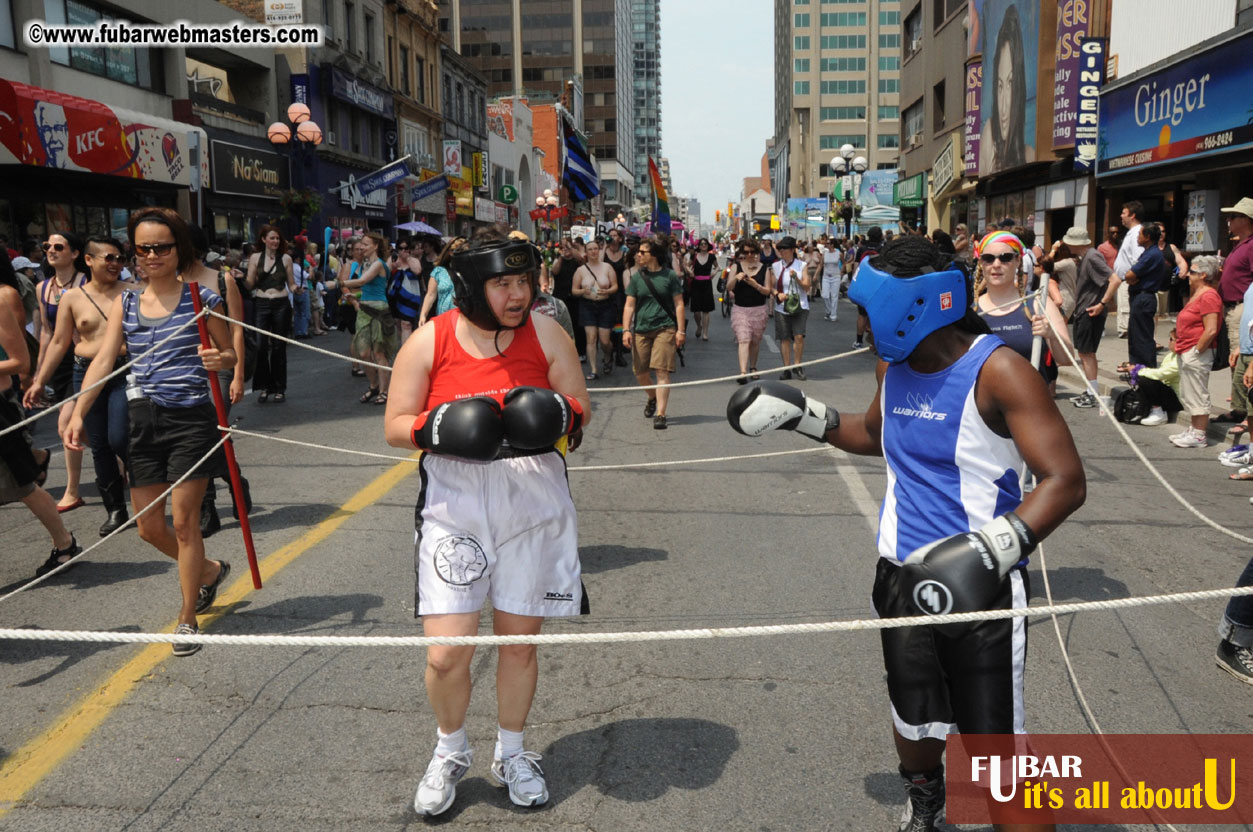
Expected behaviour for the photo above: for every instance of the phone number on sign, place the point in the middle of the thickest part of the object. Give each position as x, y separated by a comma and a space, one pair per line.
1215, 140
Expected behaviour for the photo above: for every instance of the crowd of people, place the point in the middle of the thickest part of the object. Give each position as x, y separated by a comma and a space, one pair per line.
480, 351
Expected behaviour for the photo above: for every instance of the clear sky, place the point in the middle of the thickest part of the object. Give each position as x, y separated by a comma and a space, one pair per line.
717, 95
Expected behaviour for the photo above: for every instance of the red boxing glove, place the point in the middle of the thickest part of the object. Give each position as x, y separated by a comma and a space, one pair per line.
469, 428
536, 418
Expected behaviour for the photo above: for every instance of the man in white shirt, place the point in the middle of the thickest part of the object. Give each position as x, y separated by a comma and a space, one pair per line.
1128, 254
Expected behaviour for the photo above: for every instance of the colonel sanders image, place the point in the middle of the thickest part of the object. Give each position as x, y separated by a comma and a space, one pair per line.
54, 134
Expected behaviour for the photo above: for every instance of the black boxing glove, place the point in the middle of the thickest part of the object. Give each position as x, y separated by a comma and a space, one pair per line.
963, 573
769, 405
470, 428
536, 418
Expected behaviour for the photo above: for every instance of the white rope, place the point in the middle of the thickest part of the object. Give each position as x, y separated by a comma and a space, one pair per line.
56, 408
721, 379
1108, 412
1074, 682
302, 344
617, 467
130, 522
266, 640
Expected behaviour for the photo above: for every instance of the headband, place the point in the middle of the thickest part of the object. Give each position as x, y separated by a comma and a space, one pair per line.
1005, 237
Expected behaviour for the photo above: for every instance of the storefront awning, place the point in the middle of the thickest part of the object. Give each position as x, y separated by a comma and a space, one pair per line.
52, 129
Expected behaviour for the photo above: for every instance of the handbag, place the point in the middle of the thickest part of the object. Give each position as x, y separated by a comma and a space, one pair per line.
792, 303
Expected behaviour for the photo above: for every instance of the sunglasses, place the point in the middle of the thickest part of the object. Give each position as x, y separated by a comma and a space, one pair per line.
53, 246
1004, 257
159, 249
109, 258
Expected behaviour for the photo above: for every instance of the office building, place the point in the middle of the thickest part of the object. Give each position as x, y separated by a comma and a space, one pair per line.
532, 55
837, 82
646, 81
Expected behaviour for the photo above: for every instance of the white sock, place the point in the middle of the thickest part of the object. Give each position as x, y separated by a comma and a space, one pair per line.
508, 743
450, 743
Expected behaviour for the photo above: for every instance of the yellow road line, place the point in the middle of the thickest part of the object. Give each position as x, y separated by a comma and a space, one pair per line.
27, 766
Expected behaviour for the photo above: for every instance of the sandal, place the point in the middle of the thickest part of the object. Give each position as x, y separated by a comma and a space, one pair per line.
279, 398
1242, 474
369, 396
262, 398
381, 398
1238, 428
357, 372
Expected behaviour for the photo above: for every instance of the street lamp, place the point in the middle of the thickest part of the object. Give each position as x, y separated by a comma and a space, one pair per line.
308, 135
548, 205
855, 166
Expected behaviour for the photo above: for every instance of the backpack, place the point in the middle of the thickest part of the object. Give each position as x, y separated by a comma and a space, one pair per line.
1129, 404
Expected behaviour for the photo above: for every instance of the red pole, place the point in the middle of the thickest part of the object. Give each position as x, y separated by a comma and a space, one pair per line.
237, 485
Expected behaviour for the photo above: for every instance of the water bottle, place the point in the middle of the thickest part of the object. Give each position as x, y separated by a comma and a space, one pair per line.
134, 392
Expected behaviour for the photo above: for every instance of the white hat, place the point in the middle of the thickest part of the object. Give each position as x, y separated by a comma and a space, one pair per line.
1076, 236
1244, 206
20, 263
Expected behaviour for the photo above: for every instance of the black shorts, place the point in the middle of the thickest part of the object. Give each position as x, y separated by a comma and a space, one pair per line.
599, 313
167, 442
62, 380
1087, 332
970, 675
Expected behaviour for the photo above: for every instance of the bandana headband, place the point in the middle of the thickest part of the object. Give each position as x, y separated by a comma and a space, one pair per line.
1005, 237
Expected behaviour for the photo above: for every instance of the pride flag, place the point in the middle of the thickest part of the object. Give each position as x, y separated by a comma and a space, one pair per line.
661, 206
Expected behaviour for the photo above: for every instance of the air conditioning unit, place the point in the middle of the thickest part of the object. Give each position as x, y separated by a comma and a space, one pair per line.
330, 137
915, 139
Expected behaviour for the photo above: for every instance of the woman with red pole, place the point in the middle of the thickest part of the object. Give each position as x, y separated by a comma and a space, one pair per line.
173, 421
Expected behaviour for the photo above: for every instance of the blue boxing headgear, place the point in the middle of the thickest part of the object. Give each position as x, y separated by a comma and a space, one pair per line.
904, 310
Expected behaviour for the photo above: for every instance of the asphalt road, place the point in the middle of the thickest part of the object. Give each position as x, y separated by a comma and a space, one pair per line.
778, 733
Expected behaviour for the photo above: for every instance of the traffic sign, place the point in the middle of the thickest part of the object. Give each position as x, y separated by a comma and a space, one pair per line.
507, 194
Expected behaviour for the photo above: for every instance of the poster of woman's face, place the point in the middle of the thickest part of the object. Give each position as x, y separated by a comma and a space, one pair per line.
1010, 60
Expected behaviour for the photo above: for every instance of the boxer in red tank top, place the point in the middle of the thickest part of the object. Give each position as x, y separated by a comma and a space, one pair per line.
487, 391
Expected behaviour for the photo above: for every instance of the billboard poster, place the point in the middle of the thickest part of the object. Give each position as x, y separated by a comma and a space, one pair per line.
1087, 128
806, 215
974, 91
452, 157
1072, 28
1011, 38
1195, 107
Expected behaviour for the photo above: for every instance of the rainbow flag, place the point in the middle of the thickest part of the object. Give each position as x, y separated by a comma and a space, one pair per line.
661, 206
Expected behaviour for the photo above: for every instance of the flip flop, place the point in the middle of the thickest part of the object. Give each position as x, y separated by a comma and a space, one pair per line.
1242, 474
1238, 428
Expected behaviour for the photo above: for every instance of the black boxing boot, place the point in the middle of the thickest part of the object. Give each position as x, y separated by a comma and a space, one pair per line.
926, 800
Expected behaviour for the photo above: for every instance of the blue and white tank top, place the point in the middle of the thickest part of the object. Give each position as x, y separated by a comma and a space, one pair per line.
948, 472
172, 376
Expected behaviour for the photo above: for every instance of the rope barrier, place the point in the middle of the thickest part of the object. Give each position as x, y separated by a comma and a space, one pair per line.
56, 408
1108, 413
130, 522
266, 640
616, 467
294, 342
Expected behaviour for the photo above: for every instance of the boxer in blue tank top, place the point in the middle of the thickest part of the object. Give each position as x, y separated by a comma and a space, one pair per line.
957, 418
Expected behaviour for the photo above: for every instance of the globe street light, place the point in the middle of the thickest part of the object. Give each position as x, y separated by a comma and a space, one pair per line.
308, 135
855, 165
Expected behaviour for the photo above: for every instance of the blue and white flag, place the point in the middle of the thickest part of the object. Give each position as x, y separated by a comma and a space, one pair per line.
578, 173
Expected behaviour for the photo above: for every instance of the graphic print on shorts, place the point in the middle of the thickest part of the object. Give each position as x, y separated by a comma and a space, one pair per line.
459, 560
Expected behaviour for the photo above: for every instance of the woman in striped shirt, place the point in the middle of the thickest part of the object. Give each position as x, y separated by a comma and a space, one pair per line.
173, 424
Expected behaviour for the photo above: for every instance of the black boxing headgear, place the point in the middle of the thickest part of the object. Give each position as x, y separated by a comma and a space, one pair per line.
471, 269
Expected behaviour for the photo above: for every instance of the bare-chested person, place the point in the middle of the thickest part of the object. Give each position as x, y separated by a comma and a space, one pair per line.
81, 317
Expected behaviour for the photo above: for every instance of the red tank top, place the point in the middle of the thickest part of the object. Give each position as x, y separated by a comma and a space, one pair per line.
455, 374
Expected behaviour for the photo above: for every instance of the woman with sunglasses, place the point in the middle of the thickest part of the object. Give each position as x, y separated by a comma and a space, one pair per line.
63, 252
999, 284
173, 423
272, 281
82, 319
751, 284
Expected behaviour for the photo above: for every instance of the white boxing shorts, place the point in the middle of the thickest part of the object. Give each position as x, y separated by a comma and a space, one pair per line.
504, 529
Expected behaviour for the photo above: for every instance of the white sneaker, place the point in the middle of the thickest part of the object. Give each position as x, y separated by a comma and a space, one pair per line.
522, 774
1156, 416
1191, 438
438, 788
